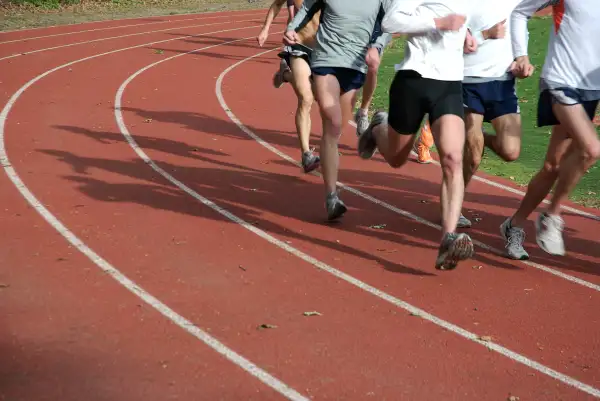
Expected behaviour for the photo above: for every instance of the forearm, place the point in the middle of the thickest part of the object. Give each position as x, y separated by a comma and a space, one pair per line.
403, 17
271, 14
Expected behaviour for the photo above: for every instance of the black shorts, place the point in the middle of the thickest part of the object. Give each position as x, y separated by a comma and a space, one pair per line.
412, 97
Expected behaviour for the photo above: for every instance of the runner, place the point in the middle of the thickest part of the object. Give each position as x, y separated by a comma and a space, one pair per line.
347, 43
489, 95
569, 95
428, 81
295, 68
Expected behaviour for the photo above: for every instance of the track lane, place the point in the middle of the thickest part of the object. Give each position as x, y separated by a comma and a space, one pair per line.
107, 25
77, 164
14, 50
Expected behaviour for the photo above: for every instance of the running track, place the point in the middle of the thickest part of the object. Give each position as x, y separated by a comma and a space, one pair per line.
153, 218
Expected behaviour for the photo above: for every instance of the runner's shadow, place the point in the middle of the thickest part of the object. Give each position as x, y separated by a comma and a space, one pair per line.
224, 185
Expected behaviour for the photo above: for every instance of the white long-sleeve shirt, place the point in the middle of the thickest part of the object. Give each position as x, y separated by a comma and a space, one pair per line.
493, 57
573, 56
433, 54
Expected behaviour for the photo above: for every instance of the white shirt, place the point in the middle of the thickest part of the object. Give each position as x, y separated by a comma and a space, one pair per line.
573, 56
493, 57
433, 54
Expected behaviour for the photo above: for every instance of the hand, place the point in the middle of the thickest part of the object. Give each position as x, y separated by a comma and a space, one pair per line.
470, 45
522, 67
290, 38
498, 31
262, 37
452, 22
373, 59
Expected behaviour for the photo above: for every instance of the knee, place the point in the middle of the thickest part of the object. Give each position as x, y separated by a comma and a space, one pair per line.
396, 162
305, 102
452, 162
511, 153
591, 154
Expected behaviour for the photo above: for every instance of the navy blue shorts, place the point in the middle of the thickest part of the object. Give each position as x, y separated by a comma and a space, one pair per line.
567, 96
491, 99
348, 78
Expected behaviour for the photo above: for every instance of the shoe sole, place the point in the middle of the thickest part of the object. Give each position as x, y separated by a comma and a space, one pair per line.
461, 249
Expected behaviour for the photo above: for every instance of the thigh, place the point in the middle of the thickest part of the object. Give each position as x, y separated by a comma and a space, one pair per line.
406, 108
445, 98
327, 91
449, 136
508, 129
576, 120
474, 131
560, 145
301, 77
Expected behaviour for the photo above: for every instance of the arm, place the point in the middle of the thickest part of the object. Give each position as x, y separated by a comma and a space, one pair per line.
291, 10
402, 16
271, 14
379, 39
307, 11
518, 20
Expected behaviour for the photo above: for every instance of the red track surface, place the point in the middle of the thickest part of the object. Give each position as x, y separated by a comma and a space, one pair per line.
72, 332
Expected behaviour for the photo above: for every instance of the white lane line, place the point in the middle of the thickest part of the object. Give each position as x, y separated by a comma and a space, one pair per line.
121, 36
130, 285
309, 259
124, 26
386, 205
495, 184
127, 19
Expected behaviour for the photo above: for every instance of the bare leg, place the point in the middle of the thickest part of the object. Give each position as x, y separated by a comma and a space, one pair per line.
369, 90
474, 144
303, 88
549, 225
334, 109
541, 184
587, 152
447, 135
507, 141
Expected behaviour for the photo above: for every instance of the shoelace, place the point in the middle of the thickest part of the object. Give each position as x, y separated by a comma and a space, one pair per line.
516, 237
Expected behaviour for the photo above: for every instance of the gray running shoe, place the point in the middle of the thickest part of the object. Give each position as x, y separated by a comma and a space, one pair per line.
514, 237
366, 142
463, 222
278, 78
310, 161
453, 249
335, 207
549, 233
362, 122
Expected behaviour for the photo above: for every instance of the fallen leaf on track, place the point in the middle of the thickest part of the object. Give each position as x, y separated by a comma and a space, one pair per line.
312, 313
266, 326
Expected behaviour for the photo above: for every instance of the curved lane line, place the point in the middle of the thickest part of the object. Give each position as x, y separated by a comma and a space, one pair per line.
307, 258
106, 267
118, 37
119, 27
379, 202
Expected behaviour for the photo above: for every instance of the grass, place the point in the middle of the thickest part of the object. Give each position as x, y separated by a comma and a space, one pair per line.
20, 14
535, 140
